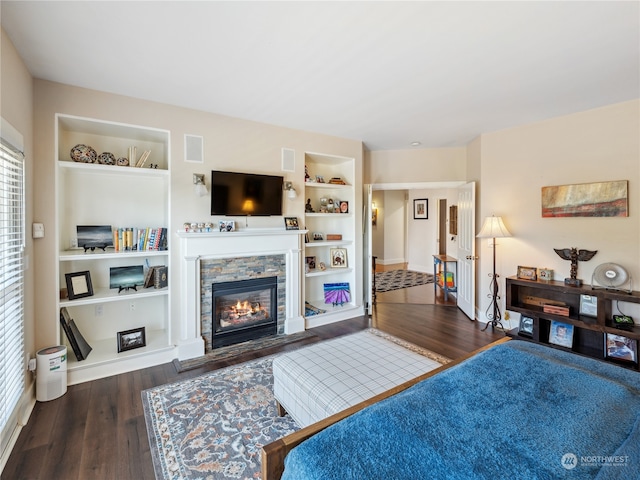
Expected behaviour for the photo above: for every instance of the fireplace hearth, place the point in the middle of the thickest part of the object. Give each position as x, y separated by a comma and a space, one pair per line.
244, 310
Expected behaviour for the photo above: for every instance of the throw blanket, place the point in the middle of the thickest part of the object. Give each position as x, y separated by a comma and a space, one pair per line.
516, 411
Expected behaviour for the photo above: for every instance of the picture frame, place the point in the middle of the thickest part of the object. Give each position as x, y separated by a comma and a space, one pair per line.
226, 226
318, 236
561, 334
90, 237
526, 326
420, 208
344, 206
621, 349
588, 305
527, 273
130, 339
310, 262
291, 223
79, 284
338, 257
337, 294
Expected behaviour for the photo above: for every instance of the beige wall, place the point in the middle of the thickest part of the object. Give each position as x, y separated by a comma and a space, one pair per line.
16, 107
229, 144
416, 165
592, 146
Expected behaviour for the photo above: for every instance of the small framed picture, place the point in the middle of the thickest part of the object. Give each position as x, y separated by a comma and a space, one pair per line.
526, 326
227, 225
589, 305
318, 236
319, 179
545, 274
621, 349
130, 339
561, 334
291, 223
79, 284
527, 273
344, 206
338, 257
420, 208
310, 262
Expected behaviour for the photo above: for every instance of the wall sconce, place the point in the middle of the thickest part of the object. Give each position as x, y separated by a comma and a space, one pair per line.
291, 192
198, 181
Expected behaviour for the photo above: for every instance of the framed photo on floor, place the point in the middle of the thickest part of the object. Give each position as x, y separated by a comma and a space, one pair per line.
561, 334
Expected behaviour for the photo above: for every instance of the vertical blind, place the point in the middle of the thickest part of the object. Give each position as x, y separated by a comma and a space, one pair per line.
12, 242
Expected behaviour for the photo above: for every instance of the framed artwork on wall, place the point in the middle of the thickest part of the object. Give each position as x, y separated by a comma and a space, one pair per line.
420, 208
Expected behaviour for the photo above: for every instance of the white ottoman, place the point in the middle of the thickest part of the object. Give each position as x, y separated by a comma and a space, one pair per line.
315, 382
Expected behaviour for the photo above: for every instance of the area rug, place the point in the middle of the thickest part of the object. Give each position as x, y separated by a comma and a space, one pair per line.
397, 279
213, 426
225, 353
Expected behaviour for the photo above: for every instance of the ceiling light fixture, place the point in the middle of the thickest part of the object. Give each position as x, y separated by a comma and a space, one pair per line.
415, 144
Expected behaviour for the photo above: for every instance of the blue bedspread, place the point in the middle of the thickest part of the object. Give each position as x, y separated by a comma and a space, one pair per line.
516, 411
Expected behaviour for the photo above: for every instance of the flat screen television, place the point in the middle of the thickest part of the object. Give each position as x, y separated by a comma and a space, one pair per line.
239, 194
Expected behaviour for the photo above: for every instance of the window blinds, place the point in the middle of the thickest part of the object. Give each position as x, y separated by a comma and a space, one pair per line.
12, 242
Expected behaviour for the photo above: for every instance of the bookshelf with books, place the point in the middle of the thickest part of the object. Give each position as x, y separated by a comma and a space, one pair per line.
331, 252
124, 191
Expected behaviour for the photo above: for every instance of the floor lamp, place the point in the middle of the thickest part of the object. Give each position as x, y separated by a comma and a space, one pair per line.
493, 227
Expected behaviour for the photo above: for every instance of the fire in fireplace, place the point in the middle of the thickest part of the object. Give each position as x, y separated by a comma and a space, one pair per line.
244, 310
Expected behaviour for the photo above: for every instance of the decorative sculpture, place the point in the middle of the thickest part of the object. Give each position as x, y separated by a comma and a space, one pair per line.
574, 255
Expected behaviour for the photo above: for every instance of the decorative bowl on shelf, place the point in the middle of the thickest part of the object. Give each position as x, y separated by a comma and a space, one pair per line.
83, 154
107, 158
122, 162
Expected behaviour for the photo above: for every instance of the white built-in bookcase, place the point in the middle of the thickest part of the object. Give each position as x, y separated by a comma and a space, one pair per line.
119, 196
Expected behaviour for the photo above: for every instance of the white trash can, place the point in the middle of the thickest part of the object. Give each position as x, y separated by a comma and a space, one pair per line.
51, 373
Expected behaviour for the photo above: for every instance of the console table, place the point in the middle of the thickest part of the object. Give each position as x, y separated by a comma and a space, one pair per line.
440, 265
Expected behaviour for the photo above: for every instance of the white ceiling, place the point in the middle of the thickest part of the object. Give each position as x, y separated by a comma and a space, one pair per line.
386, 73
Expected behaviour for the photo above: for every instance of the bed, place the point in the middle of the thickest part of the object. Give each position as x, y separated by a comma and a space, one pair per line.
514, 409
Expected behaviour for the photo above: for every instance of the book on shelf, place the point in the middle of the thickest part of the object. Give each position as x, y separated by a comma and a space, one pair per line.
79, 345
149, 278
160, 277
128, 239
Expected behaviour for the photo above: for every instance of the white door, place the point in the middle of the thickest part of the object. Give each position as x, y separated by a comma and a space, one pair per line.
467, 249
368, 249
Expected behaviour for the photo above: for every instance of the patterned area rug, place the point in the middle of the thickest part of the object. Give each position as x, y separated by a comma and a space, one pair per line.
397, 279
213, 426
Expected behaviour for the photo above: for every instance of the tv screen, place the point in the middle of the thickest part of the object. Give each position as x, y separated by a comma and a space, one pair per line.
238, 194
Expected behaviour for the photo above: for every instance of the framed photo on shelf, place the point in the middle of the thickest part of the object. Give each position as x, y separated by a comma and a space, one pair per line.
79, 284
621, 349
291, 223
420, 208
589, 305
310, 263
130, 339
318, 236
344, 206
227, 225
561, 334
338, 257
526, 326
527, 273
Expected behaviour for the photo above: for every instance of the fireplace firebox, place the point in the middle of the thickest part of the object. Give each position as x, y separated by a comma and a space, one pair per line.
244, 310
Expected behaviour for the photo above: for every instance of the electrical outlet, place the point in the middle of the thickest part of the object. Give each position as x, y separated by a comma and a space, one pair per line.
507, 316
99, 310
132, 307
74, 243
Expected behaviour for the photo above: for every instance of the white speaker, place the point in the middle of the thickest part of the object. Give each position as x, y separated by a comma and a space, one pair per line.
288, 160
51, 373
193, 148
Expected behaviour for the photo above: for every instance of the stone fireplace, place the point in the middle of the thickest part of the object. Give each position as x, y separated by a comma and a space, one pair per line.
215, 260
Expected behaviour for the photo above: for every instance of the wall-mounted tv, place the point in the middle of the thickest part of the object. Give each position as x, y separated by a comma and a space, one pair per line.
239, 194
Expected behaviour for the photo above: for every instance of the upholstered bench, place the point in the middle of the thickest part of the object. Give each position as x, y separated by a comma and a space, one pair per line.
315, 382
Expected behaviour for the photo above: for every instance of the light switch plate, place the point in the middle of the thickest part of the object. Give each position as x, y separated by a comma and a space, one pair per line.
38, 230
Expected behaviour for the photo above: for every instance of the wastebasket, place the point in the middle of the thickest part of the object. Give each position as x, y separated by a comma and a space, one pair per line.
51, 373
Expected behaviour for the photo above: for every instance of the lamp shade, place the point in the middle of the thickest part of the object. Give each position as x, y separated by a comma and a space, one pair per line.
493, 227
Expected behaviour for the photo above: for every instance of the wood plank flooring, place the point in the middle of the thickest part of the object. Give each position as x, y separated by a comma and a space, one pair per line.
96, 431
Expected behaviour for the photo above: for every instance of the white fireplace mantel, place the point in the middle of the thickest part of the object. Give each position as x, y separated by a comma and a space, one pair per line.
195, 247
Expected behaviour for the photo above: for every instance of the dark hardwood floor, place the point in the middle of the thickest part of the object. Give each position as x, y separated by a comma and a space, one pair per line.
96, 431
